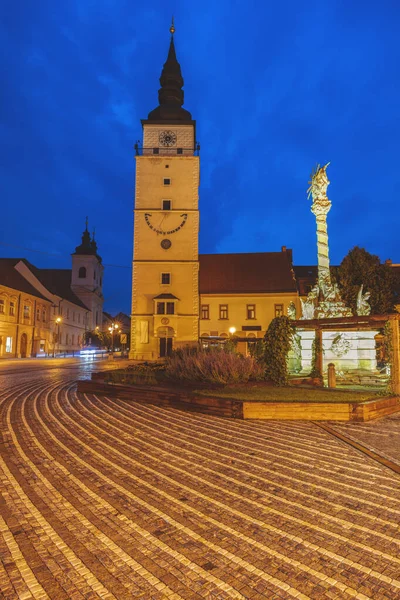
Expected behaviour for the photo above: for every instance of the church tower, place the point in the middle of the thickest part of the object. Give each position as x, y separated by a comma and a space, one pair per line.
87, 278
165, 292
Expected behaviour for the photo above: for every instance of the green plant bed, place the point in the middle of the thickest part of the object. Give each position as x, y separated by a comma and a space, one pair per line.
287, 394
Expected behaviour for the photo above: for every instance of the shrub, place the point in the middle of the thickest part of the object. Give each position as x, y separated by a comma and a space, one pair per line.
213, 365
278, 340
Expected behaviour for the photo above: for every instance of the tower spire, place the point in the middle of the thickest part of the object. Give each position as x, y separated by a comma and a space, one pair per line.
170, 95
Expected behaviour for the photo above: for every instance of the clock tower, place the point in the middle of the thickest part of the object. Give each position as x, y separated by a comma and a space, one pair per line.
165, 292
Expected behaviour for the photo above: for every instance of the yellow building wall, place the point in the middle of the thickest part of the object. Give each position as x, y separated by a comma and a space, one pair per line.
237, 312
16, 327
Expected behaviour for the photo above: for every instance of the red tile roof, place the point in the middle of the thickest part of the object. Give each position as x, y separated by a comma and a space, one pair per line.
13, 279
258, 272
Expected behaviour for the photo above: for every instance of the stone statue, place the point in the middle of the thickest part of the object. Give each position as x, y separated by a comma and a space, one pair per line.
291, 311
363, 307
307, 308
319, 183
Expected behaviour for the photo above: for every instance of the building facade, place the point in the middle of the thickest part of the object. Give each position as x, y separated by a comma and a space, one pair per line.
45, 312
179, 297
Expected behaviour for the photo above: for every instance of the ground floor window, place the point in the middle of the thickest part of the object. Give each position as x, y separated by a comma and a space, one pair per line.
9, 344
42, 345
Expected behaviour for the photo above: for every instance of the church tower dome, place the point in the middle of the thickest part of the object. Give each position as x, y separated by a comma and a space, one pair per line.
87, 277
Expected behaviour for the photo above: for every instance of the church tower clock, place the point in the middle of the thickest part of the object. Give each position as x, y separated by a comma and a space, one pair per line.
165, 294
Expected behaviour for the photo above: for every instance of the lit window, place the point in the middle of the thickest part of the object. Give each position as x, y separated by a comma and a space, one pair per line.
278, 310
9, 344
251, 311
223, 311
170, 308
166, 204
167, 181
205, 311
12, 309
27, 311
165, 278
1, 307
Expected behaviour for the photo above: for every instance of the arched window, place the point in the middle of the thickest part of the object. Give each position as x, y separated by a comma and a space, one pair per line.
82, 273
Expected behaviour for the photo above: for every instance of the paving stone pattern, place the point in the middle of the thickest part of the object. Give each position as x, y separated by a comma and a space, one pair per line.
107, 498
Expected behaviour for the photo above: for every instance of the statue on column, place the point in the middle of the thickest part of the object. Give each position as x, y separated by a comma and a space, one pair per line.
324, 300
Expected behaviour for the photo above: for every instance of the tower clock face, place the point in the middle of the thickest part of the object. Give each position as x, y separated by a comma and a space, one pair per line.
165, 223
167, 138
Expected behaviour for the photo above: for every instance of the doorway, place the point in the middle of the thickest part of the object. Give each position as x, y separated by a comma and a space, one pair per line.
165, 346
165, 335
24, 345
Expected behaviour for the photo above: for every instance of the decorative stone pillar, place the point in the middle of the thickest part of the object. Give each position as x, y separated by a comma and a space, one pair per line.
395, 364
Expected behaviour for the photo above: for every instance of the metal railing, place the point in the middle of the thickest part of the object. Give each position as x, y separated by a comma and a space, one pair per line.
174, 151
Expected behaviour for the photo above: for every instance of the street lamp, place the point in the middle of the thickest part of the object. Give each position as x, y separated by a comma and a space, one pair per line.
58, 321
114, 327
232, 330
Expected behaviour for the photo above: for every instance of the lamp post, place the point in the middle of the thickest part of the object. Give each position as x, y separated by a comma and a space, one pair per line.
58, 321
114, 327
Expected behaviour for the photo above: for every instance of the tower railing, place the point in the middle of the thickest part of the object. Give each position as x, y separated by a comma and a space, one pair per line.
175, 151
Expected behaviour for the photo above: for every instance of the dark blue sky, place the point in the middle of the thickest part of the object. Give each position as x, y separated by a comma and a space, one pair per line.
275, 88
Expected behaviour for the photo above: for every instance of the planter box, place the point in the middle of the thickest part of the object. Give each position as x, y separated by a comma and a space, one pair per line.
184, 399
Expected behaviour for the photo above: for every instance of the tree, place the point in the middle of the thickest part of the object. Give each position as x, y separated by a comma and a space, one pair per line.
360, 267
277, 343
98, 339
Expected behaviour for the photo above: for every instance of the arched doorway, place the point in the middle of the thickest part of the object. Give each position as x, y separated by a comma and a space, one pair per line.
165, 335
24, 345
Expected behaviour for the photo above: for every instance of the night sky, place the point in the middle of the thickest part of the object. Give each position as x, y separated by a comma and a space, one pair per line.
275, 87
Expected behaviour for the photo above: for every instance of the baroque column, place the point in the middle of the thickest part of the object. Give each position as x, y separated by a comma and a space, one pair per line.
320, 208
324, 300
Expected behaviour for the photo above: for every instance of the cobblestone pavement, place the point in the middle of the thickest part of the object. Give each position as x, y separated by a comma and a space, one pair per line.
106, 498
382, 436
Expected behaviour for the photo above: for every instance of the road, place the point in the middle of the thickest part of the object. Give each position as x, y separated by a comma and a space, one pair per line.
107, 498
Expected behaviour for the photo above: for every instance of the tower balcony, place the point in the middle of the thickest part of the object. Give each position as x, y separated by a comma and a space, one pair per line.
162, 151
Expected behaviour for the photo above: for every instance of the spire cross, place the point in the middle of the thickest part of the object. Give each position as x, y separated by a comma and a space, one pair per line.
87, 223
172, 28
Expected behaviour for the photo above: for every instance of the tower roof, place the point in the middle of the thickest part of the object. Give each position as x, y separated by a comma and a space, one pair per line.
170, 95
88, 245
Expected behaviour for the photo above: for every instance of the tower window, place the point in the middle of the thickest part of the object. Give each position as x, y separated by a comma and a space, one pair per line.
156, 150
170, 308
82, 273
165, 278
179, 150
166, 204
161, 308
167, 181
